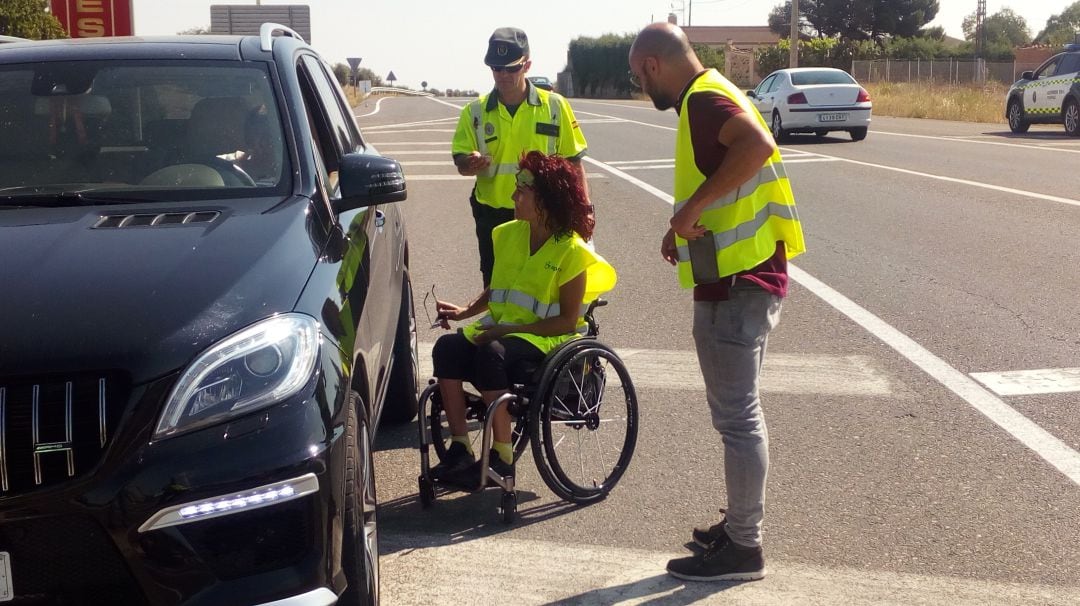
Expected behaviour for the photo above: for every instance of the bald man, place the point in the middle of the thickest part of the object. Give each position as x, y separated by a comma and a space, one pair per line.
733, 230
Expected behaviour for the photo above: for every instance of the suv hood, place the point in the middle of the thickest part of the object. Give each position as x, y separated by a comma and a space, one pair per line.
145, 299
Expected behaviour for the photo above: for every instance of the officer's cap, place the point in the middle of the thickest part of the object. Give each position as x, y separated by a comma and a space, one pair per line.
507, 46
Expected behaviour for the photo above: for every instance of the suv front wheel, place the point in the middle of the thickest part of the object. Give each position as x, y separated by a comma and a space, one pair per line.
1017, 123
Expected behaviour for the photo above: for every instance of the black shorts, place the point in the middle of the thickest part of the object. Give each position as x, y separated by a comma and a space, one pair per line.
489, 367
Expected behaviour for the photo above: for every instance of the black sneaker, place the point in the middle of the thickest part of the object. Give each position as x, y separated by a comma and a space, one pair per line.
457, 458
469, 477
724, 561
706, 537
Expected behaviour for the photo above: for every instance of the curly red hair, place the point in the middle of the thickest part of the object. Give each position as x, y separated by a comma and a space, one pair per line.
560, 192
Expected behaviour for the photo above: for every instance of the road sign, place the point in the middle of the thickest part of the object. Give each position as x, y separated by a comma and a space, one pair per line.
94, 18
391, 78
354, 62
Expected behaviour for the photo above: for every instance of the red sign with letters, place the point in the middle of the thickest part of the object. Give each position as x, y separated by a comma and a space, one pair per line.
94, 18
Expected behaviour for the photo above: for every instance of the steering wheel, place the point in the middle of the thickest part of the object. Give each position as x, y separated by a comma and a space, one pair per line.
230, 173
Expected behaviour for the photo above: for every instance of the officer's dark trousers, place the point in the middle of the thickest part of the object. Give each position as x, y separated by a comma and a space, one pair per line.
487, 218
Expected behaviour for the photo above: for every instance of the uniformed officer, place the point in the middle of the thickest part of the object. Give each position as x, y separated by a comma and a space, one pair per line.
497, 129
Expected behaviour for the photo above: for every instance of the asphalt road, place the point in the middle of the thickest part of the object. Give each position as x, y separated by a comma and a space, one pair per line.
912, 460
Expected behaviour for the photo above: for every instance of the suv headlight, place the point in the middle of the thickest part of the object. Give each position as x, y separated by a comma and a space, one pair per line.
252, 369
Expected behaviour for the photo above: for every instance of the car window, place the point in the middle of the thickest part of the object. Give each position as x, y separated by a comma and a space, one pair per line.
341, 124
764, 86
820, 77
1070, 64
324, 134
1049, 68
775, 85
157, 127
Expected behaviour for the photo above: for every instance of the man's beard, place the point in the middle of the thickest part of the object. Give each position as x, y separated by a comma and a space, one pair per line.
661, 101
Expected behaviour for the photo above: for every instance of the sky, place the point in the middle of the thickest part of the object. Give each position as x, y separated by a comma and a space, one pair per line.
443, 42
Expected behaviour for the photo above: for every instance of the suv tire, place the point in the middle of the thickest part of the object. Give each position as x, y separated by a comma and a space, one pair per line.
1071, 115
401, 399
1015, 115
360, 544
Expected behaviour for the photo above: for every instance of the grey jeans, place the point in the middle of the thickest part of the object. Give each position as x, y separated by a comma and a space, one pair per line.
731, 337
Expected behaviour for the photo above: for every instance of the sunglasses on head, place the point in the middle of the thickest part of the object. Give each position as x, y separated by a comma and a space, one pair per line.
510, 69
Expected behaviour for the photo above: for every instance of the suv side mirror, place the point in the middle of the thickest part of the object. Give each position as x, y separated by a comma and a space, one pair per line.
1028, 75
367, 180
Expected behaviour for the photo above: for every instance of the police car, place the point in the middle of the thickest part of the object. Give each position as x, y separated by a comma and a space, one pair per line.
1049, 95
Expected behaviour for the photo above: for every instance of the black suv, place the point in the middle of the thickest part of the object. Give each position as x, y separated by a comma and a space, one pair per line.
205, 311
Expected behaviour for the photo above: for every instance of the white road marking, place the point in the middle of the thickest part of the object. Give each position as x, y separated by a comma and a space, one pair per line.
448, 163
374, 111
1029, 382
478, 569
648, 107
1007, 190
783, 373
799, 160
648, 167
422, 153
405, 124
968, 140
381, 143
601, 121
453, 105
1052, 450
625, 120
626, 162
414, 130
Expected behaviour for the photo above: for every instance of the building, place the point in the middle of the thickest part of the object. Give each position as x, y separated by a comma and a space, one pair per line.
738, 42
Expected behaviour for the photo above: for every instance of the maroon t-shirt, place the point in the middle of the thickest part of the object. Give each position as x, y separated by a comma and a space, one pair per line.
707, 113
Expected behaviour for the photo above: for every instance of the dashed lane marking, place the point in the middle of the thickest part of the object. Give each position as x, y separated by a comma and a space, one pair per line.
1030, 382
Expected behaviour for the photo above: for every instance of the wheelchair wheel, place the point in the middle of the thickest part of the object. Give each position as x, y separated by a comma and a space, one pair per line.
475, 415
584, 423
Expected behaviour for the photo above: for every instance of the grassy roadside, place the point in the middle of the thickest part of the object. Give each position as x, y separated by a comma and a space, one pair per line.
963, 103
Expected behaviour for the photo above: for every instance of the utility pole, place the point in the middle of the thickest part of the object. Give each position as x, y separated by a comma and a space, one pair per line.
793, 57
980, 29
690, 13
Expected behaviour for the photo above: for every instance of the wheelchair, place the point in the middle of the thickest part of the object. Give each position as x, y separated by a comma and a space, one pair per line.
577, 408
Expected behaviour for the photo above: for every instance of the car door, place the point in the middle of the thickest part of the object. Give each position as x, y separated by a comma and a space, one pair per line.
763, 106
1037, 98
367, 284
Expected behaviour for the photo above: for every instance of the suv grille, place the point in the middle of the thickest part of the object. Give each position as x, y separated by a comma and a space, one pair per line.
54, 429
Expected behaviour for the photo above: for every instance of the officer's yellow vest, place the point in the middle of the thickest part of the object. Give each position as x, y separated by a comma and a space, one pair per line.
525, 288
748, 222
543, 122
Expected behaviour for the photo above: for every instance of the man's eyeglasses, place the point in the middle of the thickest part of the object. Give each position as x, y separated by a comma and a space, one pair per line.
633, 79
510, 69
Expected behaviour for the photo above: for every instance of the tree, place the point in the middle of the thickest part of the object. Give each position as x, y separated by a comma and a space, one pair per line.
710, 57
342, 73
857, 19
366, 74
29, 19
1004, 28
1061, 29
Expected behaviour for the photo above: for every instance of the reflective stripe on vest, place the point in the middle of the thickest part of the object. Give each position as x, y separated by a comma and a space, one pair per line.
748, 222
769, 173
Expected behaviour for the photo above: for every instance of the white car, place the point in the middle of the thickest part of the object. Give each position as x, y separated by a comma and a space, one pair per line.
813, 100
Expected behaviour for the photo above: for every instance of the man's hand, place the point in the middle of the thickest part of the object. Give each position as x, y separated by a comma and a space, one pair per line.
668, 250
685, 223
472, 164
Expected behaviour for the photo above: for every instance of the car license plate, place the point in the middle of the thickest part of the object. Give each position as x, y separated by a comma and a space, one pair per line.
6, 592
831, 117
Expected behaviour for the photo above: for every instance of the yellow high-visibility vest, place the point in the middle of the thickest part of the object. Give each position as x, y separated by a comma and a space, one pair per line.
543, 122
525, 288
748, 222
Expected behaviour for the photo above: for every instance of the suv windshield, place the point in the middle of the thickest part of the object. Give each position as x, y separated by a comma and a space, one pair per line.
821, 77
154, 129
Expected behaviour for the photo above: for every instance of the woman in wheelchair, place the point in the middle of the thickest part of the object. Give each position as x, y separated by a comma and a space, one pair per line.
545, 275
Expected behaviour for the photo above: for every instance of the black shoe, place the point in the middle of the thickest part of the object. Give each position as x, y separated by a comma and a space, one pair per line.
706, 537
457, 458
724, 561
469, 477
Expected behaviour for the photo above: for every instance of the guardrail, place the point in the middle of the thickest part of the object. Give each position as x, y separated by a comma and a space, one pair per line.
375, 90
